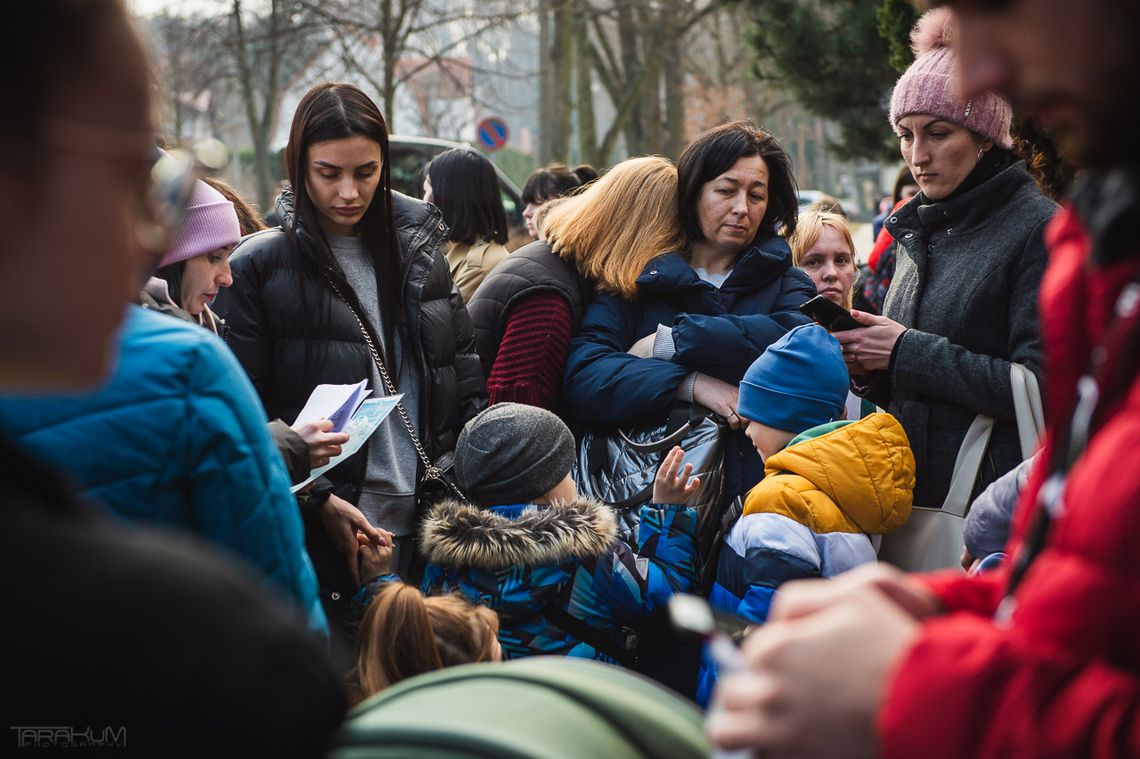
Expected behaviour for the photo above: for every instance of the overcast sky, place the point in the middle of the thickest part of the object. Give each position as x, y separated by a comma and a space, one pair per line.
147, 7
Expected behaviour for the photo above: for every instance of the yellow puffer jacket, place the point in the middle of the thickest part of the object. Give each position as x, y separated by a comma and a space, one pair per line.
855, 477
813, 513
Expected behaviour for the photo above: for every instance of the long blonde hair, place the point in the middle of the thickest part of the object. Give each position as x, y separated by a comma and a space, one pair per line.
808, 230
405, 634
619, 223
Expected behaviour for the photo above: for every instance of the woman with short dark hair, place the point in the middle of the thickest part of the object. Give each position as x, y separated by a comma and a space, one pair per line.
462, 183
705, 312
543, 185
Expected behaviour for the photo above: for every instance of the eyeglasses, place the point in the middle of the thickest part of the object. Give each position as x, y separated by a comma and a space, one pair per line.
165, 190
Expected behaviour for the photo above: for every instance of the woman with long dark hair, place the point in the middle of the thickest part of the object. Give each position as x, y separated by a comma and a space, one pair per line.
354, 286
462, 183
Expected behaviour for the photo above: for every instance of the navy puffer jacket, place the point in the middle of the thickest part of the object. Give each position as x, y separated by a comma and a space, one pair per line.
717, 332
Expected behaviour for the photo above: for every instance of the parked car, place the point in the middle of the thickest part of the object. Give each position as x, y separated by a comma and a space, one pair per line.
807, 197
409, 156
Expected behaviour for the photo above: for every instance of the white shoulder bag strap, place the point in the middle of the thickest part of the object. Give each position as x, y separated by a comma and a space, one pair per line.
967, 466
1027, 407
1030, 423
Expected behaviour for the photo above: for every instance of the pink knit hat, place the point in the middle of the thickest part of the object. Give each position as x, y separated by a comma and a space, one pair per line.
210, 223
931, 84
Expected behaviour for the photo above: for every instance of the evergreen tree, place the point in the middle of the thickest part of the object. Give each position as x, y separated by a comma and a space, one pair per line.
835, 57
896, 18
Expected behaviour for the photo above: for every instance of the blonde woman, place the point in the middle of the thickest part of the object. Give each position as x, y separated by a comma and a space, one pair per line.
529, 307
824, 249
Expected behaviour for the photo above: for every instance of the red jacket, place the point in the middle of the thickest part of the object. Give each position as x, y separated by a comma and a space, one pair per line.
1062, 678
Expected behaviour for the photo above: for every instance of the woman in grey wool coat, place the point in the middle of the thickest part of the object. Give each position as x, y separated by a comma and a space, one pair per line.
963, 303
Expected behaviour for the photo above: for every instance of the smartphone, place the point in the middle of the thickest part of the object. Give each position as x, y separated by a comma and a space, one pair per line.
832, 317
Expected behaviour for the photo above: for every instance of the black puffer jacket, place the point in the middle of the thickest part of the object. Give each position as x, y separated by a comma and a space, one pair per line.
275, 299
534, 268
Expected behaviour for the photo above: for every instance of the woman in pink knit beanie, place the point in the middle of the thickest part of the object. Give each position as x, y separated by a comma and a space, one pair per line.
962, 305
927, 100
197, 266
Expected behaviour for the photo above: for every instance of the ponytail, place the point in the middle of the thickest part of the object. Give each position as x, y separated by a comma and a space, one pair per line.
405, 634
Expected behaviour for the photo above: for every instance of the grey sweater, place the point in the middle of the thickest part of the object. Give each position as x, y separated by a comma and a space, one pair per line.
387, 496
966, 282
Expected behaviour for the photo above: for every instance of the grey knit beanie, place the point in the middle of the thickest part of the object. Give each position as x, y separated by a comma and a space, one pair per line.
512, 454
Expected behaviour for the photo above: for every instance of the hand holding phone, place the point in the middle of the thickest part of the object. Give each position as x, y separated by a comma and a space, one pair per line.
829, 315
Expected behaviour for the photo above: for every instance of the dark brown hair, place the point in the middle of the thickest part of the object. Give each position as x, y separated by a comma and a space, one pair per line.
248, 218
713, 152
64, 39
549, 182
336, 111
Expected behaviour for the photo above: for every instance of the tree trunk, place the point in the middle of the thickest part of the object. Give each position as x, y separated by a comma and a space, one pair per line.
249, 100
562, 61
545, 81
390, 37
652, 137
674, 81
587, 128
631, 67
657, 25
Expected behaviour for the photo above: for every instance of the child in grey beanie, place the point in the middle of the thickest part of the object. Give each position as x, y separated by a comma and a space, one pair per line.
512, 453
546, 560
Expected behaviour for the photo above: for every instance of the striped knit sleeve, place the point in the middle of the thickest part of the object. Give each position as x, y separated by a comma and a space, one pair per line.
532, 353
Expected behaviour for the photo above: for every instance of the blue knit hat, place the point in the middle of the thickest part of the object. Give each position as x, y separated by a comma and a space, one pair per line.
800, 382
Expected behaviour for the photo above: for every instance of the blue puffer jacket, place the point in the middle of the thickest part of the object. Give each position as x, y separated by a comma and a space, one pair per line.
717, 332
521, 560
177, 438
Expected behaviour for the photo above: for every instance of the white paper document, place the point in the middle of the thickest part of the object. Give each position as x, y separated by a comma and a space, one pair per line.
337, 403
359, 428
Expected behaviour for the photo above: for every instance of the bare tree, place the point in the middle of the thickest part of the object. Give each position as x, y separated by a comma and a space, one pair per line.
258, 50
637, 49
192, 65
413, 36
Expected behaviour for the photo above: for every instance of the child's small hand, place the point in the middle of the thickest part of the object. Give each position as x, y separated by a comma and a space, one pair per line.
374, 560
670, 486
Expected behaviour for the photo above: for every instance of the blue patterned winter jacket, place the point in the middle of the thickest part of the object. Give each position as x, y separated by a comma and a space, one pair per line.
519, 560
177, 438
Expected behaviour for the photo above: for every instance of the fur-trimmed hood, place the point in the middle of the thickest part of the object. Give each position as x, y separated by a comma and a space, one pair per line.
458, 535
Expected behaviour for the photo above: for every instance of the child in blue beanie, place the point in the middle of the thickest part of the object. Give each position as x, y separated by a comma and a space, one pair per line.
829, 485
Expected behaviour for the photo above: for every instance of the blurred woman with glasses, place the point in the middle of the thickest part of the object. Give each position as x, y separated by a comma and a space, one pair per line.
153, 638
